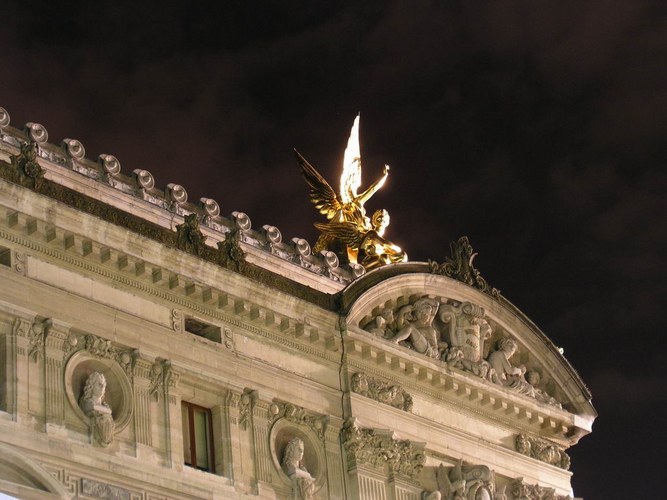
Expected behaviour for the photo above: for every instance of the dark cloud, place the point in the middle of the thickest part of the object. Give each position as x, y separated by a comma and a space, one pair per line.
536, 129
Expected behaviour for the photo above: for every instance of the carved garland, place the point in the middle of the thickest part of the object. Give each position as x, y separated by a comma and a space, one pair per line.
102, 348
299, 415
542, 450
518, 489
382, 392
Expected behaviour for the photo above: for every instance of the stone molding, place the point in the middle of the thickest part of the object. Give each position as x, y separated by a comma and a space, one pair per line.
198, 297
26, 169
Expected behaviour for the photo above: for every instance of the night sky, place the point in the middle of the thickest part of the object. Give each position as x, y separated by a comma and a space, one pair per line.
535, 128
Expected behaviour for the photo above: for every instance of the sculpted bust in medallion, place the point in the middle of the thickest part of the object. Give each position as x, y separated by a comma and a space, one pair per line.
93, 405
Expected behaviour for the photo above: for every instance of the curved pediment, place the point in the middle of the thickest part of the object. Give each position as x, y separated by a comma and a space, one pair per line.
467, 331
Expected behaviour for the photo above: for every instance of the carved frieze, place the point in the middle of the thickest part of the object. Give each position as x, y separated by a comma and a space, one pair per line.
103, 490
459, 267
382, 392
542, 450
382, 449
518, 489
298, 415
459, 335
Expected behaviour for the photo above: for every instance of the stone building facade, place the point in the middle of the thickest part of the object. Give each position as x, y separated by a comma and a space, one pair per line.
152, 348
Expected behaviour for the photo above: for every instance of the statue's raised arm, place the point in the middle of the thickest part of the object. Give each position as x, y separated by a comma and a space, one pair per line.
350, 233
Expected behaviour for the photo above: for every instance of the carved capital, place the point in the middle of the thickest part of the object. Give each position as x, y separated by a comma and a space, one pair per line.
518, 489
381, 449
382, 392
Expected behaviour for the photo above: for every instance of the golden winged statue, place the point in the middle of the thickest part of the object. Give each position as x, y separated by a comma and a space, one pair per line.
350, 233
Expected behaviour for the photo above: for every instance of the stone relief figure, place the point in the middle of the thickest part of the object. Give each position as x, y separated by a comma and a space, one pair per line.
415, 328
458, 334
505, 373
533, 378
303, 482
465, 482
93, 405
383, 325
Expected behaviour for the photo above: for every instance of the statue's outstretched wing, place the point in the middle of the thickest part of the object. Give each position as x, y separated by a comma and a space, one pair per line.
350, 179
347, 232
321, 193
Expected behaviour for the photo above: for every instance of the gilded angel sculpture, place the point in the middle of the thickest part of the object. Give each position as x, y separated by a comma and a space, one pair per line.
350, 233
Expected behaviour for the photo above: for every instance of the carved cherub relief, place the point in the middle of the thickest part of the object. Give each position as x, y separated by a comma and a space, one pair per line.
415, 327
459, 334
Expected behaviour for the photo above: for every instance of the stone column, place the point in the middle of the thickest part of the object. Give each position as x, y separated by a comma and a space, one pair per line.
172, 409
55, 335
260, 444
17, 366
142, 406
334, 459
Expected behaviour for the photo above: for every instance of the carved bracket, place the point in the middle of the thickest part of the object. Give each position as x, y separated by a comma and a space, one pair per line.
230, 254
189, 237
29, 173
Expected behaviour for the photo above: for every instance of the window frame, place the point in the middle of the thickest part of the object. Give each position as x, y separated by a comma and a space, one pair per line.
192, 437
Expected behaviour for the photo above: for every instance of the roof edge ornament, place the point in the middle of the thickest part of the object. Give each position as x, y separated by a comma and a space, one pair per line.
460, 267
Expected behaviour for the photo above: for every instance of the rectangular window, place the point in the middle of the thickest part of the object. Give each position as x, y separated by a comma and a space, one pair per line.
201, 329
197, 437
5, 257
